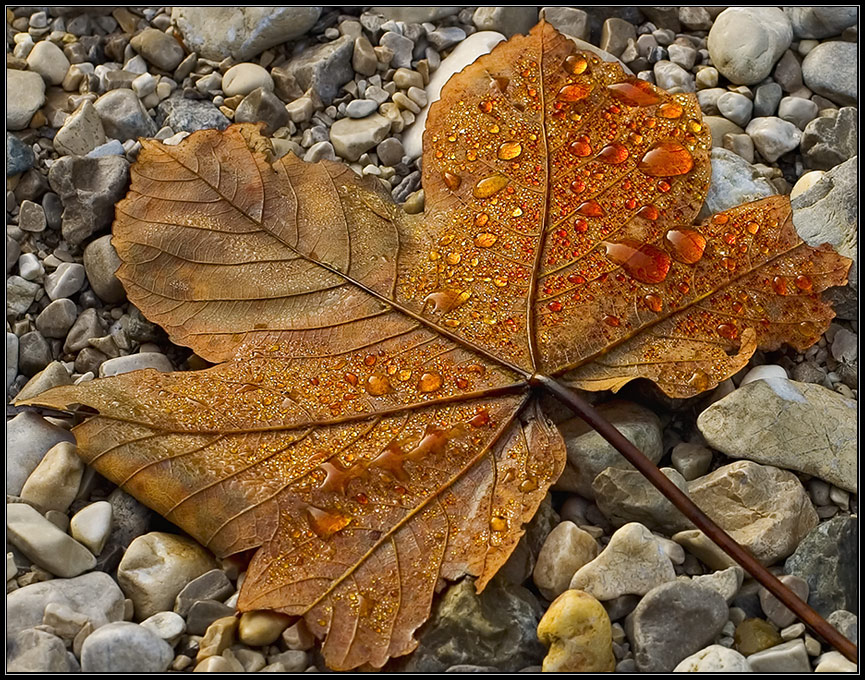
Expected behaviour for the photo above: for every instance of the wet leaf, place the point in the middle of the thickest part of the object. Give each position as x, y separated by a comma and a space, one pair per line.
371, 427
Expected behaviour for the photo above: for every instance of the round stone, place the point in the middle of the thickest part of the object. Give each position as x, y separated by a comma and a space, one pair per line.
91, 525
576, 629
714, 659
735, 107
260, 628
125, 647
48, 61
100, 264
773, 137
25, 94
565, 550
745, 42
754, 635
763, 372
244, 78
830, 69
57, 318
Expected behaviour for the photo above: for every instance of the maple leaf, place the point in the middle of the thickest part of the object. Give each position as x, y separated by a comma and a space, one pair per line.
373, 428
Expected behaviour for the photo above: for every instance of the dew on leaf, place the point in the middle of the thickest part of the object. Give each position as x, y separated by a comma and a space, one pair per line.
653, 302
481, 219
648, 212
444, 301
509, 150
643, 261
574, 92
325, 523
728, 330
666, 159
429, 382
452, 181
804, 283
611, 320
575, 64
377, 385
634, 92
614, 153
670, 110
489, 186
779, 285
590, 208
485, 240
686, 245
581, 147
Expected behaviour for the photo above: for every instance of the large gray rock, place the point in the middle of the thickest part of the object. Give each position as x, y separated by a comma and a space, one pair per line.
95, 595
240, 32
813, 429
189, 115
509, 20
627, 496
571, 21
831, 139
123, 115
25, 94
765, 509
323, 69
734, 181
831, 70
496, 628
28, 438
125, 647
672, 622
828, 559
89, 188
745, 42
589, 453
821, 22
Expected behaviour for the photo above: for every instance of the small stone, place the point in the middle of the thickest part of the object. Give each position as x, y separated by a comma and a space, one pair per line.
31, 217
188, 115
28, 439
735, 107
445, 38
766, 99
821, 21
673, 78
219, 664
673, 621
262, 105
361, 108
65, 281
566, 549
158, 48
754, 635
167, 626
81, 133
322, 69
44, 544
683, 55
726, 582
615, 34
125, 647
91, 526
34, 353
845, 623
691, 460
36, 651
100, 264
203, 613
212, 585
773, 137
707, 78
156, 567
144, 85
792, 632
745, 42
627, 496
632, 563
704, 549
25, 95
390, 152
351, 138
54, 483
830, 71
124, 116
319, 151
244, 78
577, 632
787, 657
19, 156
364, 60
260, 628
776, 612
798, 111
48, 61
830, 139
135, 362
714, 659
56, 319
65, 622
219, 637
20, 294
298, 637
509, 20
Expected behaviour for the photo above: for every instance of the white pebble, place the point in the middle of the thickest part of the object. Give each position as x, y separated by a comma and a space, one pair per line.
91, 525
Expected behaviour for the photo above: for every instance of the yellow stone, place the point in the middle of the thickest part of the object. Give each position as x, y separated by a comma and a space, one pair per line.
218, 637
261, 628
755, 635
578, 634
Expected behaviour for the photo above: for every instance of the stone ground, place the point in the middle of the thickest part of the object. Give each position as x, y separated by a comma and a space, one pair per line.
97, 582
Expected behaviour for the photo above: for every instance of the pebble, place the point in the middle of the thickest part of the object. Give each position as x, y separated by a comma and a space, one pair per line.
262, 105
54, 483
576, 630
28, 439
19, 156
773, 137
445, 38
124, 116
363, 59
65, 281
298, 637
589, 453
219, 664
156, 567
714, 659
831, 138
81, 133
745, 42
707, 78
31, 217
632, 563
322, 69
57, 318
44, 544
20, 294
798, 111
765, 509
361, 108
834, 662
673, 78
763, 372
240, 32
735, 107
135, 362
125, 647
212, 585
627, 496
390, 152
830, 70
100, 264
25, 96
352, 137
673, 621
787, 657
244, 78
615, 34
158, 48
814, 428
766, 99
91, 525
509, 20
34, 353
703, 548
204, 612
220, 636
566, 549
167, 626
65, 622
261, 628
726, 582
776, 612
36, 651
691, 460
48, 61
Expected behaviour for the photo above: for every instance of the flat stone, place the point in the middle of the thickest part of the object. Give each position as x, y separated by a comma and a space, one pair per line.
788, 657
566, 549
25, 95
158, 48
81, 133
53, 375
765, 509
830, 70
54, 483
766, 99
91, 525
124, 116
390, 151
36, 651
361, 108
135, 362
745, 42
827, 558
813, 428
20, 294
673, 621
204, 612
571, 21
188, 115
31, 217
212, 585
627, 496
44, 544
577, 632
240, 32
155, 569
633, 562
28, 438
220, 636
830, 139
589, 453
673, 78
704, 549
167, 626
34, 353
714, 659
125, 647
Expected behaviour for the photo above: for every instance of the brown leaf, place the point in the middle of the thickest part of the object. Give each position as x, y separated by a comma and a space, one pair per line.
373, 429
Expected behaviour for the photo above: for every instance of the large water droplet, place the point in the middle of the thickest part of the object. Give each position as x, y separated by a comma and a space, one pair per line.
611, 320
490, 186
377, 385
510, 150
648, 212
580, 148
699, 380
446, 300
643, 261
452, 181
804, 283
686, 245
429, 382
528, 485
670, 110
574, 92
576, 64
325, 523
391, 461
635, 92
728, 330
481, 219
653, 302
614, 153
666, 159
337, 477
590, 209
498, 523
480, 419
779, 285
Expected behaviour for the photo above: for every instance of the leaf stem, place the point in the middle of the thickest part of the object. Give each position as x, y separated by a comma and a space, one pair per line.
677, 497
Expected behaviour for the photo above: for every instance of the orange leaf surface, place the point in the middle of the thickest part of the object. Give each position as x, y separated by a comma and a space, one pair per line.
372, 428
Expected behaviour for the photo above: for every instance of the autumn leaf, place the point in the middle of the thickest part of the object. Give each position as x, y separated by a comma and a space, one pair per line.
372, 428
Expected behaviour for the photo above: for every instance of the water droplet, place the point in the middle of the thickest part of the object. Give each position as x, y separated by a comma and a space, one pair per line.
452, 181
574, 92
614, 153
377, 385
666, 159
452, 138
490, 186
648, 212
683, 287
699, 380
576, 64
653, 302
728, 330
501, 281
443, 301
517, 212
631, 203
729, 263
370, 359
453, 258
510, 150
643, 261
581, 226
429, 382
434, 255
350, 378
337, 477
611, 320
485, 240
391, 460
729, 238
404, 375
686, 245
481, 219
809, 329
481, 419
670, 110
494, 128
590, 209
804, 283
472, 155
635, 92
664, 186
447, 238
578, 186
486, 106
721, 218
752, 228
779, 285
576, 278
581, 148
325, 523
462, 383
362, 498
498, 523
555, 306
528, 485
738, 307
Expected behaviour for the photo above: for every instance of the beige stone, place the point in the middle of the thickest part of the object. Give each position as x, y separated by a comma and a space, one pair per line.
259, 628
220, 636
704, 549
54, 482
576, 630
565, 550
